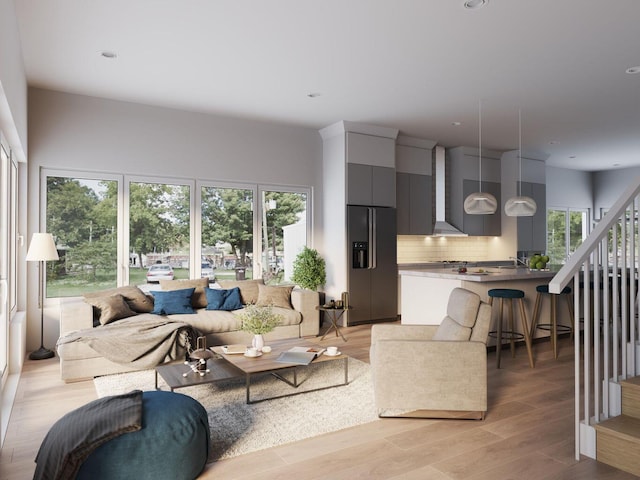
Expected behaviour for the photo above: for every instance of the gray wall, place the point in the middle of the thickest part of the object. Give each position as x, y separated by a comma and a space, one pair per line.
608, 185
569, 188
79, 132
86, 133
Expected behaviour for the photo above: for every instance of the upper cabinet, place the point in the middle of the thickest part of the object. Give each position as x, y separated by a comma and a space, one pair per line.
528, 178
414, 191
464, 165
370, 185
371, 174
532, 231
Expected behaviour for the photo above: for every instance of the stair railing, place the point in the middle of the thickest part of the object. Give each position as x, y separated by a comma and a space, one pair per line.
604, 272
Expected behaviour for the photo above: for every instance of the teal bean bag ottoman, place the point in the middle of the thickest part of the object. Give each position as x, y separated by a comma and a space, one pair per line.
173, 443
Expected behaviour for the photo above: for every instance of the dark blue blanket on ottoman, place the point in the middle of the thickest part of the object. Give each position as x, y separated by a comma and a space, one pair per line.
172, 444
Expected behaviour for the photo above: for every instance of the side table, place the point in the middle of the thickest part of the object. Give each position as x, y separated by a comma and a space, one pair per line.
334, 314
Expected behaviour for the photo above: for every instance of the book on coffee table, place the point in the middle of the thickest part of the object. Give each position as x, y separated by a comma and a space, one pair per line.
234, 349
300, 355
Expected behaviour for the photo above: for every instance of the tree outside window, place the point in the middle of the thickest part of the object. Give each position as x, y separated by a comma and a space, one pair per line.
566, 230
82, 216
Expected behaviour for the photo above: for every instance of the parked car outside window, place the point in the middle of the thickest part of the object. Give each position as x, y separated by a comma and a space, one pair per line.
159, 271
206, 271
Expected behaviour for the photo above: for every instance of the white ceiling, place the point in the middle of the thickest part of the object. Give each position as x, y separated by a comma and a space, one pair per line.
416, 65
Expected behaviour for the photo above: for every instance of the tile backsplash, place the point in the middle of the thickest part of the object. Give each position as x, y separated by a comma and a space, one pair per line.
422, 249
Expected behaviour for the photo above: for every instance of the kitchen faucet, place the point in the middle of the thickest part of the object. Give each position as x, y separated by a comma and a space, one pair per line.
520, 261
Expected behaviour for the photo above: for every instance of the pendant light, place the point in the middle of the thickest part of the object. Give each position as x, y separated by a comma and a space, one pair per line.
480, 203
520, 206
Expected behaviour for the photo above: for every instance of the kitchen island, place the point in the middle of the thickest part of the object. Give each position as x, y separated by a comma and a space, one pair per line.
425, 291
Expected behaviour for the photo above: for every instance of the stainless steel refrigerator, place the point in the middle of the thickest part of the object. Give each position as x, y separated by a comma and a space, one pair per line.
373, 270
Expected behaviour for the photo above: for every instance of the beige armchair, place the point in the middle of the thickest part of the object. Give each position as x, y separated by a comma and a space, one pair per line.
434, 371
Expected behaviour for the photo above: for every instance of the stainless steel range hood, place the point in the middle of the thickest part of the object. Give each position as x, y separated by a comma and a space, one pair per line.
442, 228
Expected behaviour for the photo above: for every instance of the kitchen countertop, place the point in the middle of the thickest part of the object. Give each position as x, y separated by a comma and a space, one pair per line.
479, 274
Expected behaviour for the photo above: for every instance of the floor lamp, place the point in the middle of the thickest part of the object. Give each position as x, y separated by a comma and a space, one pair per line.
41, 249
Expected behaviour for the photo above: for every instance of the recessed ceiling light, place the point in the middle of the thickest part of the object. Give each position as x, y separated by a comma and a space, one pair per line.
473, 4
456, 124
633, 70
108, 54
313, 94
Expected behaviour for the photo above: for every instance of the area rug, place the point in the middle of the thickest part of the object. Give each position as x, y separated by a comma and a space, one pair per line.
238, 428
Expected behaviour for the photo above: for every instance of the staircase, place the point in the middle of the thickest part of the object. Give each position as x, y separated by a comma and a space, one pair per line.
603, 273
618, 438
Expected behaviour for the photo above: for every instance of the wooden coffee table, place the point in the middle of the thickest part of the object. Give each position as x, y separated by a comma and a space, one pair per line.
174, 374
267, 364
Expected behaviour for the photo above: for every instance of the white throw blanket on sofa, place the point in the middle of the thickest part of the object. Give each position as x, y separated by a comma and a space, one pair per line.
141, 342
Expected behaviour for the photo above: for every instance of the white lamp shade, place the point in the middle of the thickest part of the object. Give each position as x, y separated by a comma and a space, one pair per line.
480, 203
42, 248
520, 206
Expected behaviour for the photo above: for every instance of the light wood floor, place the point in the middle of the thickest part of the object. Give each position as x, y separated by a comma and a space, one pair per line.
527, 434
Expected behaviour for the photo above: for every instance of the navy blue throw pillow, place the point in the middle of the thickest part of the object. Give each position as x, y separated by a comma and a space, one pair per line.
219, 299
168, 302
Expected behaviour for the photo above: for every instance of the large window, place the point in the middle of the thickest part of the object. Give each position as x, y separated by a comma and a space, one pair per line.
566, 230
5, 215
82, 216
227, 232
8, 249
284, 232
159, 230
111, 230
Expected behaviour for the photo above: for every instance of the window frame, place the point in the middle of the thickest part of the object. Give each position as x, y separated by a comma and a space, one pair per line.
567, 226
264, 187
200, 184
82, 175
195, 217
123, 256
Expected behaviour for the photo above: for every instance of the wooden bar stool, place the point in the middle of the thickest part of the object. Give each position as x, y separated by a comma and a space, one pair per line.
553, 327
510, 295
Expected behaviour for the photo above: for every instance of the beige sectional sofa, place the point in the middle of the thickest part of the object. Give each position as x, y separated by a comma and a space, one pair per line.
79, 361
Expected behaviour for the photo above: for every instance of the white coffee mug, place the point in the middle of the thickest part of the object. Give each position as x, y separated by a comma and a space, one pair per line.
332, 350
252, 352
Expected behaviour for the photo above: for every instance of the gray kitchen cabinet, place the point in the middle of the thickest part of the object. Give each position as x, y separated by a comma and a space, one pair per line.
532, 231
371, 185
370, 149
482, 225
358, 184
413, 204
371, 173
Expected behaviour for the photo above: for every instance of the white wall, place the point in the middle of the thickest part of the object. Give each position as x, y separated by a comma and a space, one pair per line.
78, 132
13, 84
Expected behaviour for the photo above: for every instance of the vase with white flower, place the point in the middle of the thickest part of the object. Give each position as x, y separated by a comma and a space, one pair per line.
259, 321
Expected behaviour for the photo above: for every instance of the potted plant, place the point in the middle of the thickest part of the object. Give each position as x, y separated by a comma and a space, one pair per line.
259, 320
309, 269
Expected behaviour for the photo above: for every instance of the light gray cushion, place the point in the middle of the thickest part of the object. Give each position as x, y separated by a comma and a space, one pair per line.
483, 322
463, 307
451, 330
